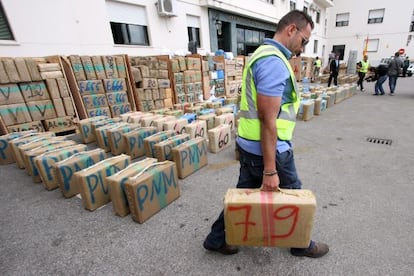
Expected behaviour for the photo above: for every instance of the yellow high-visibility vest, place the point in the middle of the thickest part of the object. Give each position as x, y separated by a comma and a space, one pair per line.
364, 66
249, 124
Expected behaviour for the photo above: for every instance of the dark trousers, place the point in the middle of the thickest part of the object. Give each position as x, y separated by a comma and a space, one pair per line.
404, 72
378, 85
251, 176
392, 81
361, 80
333, 76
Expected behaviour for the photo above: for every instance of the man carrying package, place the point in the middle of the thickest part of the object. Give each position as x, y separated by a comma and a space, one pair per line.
269, 103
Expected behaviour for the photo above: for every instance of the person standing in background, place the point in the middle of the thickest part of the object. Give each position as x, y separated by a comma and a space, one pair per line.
405, 66
331, 56
333, 71
394, 70
362, 68
317, 68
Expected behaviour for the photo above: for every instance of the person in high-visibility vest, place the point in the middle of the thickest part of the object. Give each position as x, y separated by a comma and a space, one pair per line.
317, 68
268, 107
362, 68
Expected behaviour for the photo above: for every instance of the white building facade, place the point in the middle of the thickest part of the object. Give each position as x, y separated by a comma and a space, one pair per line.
148, 27
387, 25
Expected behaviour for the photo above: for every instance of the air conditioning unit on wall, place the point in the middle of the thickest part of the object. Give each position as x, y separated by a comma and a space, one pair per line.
166, 7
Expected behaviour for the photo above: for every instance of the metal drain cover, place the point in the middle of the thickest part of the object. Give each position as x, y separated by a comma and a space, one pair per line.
379, 141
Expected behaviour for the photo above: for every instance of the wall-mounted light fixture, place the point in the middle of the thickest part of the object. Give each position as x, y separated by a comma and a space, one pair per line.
219, 26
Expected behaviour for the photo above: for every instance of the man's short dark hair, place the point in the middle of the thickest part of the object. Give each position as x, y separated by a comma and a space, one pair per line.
299, 18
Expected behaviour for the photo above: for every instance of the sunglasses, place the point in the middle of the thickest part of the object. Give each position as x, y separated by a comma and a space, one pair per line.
304, 40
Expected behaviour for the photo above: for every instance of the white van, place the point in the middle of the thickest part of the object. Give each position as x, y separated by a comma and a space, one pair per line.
410, 70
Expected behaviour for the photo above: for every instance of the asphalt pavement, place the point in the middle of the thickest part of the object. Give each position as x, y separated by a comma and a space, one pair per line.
365, 203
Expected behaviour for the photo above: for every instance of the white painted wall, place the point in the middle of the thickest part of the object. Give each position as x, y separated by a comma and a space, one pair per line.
65, 27
251, 8
392, 33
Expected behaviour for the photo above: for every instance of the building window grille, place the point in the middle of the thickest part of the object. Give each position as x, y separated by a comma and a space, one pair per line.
315, 46
128, 23
318, 17
342, 19
129, 34
5, 31
194, 35
376, 16
292, 5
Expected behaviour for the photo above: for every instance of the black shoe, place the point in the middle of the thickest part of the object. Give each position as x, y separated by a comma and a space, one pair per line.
375, 94
318, 250
225, 249
382, 94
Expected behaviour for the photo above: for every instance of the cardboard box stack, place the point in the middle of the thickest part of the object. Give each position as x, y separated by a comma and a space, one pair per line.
62, 163
34, 94
190, 156
233, 76
39, 152
46, 161
163, 149
29, 154
6, 151
320, 98
116, 185
219, 138
92, 180
152, 85
217, 75
205, 76
100, 85
307, 67
66, 168
306, 110
15, 143
187, 79
102, 134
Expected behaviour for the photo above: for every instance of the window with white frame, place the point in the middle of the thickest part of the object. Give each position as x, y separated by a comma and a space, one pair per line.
412, 23
323, 50
5, 31
128, 23
318, 17
342, 19
376, 16
269, 1
315, 46
292, 5
373, 45
193, 29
